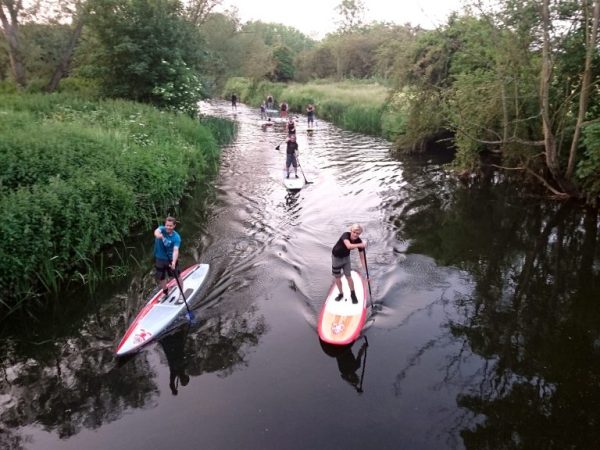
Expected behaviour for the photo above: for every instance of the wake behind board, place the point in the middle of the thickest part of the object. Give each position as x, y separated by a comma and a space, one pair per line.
161, 310
340, 323
292, 183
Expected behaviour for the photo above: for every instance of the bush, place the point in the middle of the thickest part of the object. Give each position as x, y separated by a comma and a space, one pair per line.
77, 175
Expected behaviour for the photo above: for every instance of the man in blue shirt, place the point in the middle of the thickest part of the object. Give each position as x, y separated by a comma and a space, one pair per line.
166, 253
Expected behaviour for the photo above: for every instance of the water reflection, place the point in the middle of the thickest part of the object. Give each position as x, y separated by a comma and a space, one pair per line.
348, 364
173, 345
530, 322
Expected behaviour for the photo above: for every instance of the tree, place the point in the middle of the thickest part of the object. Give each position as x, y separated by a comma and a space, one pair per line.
11, 11
284, 64
351, 15
148, 52
197, 11
77, 11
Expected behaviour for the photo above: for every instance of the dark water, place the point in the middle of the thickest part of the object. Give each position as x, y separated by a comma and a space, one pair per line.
485, 331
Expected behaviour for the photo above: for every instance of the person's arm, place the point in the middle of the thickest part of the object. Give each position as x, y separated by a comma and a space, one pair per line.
350, 246
158, 233
175, 256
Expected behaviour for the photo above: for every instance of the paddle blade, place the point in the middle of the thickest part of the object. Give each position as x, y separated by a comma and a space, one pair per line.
191, 318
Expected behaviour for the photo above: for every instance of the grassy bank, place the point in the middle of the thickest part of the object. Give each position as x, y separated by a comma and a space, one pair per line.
79, 174
364, 107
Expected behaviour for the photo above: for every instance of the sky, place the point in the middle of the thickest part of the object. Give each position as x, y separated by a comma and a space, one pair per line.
316, 18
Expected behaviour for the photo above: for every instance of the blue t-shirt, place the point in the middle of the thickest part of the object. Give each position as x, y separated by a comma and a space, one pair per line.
163, 248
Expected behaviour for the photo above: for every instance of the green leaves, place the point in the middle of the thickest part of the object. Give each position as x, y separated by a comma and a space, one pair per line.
147, 52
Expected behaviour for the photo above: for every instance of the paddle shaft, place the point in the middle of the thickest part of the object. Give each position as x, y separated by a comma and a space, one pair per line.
279, 145
302, 170
368, 278
190, 315
359, 389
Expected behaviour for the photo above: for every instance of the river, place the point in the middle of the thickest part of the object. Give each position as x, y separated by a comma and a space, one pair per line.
484, 331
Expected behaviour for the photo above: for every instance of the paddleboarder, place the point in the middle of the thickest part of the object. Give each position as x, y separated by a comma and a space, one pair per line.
263, 111
234, 101
283, 109
291, 126
166, 253
291, 154
310, 113
340, 259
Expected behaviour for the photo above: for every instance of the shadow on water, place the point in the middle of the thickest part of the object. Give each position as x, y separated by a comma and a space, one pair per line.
485, 331
348, 364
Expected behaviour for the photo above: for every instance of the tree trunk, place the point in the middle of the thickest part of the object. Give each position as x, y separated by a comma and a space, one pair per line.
591, 36
65, 63
505, 121
10, 29
551, 149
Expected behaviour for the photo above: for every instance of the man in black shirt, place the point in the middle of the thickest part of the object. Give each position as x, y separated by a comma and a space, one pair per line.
340, 259
291, 154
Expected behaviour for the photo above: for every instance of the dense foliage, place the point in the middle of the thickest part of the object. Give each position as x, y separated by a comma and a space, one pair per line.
77, 175
145, 51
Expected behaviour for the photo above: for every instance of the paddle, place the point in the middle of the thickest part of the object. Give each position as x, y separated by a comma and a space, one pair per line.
302, 170
359, 388
279, 145
190, 314
368, 278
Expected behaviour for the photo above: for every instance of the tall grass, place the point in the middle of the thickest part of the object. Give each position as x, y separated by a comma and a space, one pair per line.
77, 175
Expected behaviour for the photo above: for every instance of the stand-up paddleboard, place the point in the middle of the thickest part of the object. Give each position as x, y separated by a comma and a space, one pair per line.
161, 310
341, 322
292, 183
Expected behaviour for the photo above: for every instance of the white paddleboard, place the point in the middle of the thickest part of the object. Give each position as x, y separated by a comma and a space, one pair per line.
341, 322
161, 310
292, 183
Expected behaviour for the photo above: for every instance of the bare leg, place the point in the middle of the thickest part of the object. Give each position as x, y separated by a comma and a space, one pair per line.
350, 283
338, 283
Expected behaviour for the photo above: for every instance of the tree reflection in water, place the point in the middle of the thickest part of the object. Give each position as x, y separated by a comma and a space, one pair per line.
531, 323
74, 382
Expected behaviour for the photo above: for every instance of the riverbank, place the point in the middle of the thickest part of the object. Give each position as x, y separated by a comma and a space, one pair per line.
356, 105
78, 174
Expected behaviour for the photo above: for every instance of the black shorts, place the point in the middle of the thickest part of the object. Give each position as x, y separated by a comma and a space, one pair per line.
163, 269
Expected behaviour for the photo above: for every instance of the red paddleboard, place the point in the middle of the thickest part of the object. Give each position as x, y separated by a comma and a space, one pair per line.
341, 322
